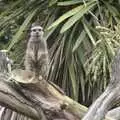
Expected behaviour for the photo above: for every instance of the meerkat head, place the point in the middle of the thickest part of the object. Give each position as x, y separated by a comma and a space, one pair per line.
36, 31
3, 54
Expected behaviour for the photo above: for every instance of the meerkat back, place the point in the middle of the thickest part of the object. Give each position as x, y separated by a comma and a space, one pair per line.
37, 58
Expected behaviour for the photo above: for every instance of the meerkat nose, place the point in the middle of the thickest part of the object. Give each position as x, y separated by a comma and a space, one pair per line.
37, 32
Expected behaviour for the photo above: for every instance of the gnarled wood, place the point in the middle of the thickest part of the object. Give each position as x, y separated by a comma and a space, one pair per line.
14, 100
31, 99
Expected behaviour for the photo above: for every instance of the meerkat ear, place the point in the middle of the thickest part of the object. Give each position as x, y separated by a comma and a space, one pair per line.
36, 23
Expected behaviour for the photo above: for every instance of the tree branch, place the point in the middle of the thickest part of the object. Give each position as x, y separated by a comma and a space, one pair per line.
12, 99
29, 99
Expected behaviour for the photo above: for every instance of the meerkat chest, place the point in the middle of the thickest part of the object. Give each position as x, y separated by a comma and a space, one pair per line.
37, 50
36, 46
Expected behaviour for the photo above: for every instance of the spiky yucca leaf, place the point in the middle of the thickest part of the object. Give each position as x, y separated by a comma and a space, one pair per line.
85, 44
98, 66
18, 35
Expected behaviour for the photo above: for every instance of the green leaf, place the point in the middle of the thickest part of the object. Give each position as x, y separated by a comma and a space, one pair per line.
52, 2
11, 7
65, 16
11, 16
112, 9
48, 33
71, 21
73, 80
71, 2
18, 35
104, 69
79, 41
89, 33
110, 48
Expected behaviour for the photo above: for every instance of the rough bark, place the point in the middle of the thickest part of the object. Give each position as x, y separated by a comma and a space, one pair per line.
27, 101
114, 113
10, 97
31, 99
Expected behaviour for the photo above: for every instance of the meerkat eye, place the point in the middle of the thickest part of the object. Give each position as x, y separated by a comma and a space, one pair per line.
39, 30
33, 30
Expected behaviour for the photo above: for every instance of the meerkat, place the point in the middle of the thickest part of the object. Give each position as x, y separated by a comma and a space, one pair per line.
36, 57
5, 62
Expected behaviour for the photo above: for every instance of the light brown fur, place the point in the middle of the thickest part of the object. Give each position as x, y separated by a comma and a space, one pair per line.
36, 58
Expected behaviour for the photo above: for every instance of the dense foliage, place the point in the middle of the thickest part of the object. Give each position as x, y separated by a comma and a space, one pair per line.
80, 50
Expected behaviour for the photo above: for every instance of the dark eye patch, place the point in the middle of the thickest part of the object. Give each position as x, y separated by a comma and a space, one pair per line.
34, 30
39, 29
